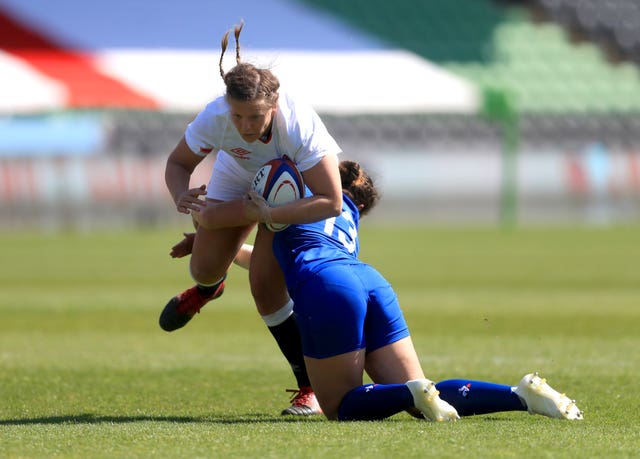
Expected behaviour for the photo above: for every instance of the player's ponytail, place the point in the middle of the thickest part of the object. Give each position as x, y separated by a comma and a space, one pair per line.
358, 185
246, 82
225, 42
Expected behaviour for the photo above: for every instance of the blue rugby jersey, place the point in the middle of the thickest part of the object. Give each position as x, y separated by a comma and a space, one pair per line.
303, 250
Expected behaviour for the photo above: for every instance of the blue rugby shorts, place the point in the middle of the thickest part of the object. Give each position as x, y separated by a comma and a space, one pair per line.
344, 308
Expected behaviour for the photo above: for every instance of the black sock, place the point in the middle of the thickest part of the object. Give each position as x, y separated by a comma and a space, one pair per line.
287, 336
208, 290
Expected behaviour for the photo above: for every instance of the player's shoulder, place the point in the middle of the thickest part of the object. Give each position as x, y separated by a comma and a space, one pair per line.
217, 107
293, 105
295, 116
211, 116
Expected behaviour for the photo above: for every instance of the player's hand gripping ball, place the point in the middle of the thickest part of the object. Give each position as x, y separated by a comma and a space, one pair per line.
279, 182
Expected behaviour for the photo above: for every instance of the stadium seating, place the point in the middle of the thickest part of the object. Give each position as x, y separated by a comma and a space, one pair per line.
564, 91
612, 23
499, 44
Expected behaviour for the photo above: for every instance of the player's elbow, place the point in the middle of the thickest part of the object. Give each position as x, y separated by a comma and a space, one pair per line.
335, 207
335, 211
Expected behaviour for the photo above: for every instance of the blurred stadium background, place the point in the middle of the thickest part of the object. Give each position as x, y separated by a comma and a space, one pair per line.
466, 111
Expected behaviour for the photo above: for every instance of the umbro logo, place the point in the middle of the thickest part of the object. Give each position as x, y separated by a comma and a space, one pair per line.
240, 153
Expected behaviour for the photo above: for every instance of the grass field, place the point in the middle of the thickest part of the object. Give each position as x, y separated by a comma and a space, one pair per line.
87, 373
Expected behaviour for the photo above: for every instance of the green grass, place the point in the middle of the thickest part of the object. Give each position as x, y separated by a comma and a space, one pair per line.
85, 371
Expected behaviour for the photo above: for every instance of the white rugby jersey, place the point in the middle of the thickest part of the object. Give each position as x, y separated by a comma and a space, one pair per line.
297, 132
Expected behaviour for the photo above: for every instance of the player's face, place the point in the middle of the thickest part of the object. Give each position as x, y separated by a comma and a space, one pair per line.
252, 119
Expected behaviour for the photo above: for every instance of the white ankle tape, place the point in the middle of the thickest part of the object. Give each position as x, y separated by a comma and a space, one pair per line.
282, 314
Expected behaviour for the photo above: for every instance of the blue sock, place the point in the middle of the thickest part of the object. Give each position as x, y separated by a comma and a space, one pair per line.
374, 401
470, 397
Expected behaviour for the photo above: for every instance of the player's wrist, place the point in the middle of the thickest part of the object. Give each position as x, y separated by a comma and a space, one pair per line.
265, 215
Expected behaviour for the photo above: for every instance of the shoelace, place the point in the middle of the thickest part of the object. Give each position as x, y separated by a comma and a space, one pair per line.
195, 300
192, 303
300, 397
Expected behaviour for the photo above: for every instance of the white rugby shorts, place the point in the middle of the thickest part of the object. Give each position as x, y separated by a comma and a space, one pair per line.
228, 180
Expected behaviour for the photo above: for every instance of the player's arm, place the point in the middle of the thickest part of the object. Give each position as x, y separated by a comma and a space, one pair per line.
185, 246
243, 257
227, 214
208, 214
323, 180
180, 165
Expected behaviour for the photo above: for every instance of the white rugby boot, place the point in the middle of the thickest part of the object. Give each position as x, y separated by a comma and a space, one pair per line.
540, 398
427, 400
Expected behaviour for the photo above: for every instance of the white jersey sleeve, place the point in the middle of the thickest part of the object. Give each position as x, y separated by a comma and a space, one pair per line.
205, 133
301, 134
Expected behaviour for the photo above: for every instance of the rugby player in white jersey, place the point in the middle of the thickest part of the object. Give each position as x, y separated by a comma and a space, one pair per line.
250, 124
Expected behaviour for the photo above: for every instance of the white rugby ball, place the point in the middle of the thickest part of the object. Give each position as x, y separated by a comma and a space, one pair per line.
279, 182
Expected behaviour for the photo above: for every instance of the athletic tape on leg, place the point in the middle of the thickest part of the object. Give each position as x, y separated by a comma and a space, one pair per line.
282, 314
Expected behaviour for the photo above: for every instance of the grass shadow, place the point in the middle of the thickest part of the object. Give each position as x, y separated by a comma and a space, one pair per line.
90, 418
249, 418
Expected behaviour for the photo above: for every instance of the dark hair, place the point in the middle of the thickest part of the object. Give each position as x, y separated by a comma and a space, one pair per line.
358, 185
246, 82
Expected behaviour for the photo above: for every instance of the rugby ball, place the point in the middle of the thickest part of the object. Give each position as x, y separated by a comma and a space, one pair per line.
279, 182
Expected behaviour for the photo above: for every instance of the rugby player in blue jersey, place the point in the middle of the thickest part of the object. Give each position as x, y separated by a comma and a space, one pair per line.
350, 323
